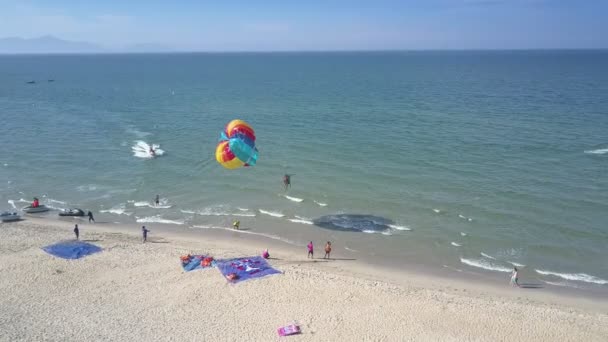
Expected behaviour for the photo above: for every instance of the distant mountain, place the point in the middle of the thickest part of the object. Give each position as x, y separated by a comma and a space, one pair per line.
45, 44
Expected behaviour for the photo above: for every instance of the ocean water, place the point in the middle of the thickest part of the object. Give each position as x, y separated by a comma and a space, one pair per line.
463, 161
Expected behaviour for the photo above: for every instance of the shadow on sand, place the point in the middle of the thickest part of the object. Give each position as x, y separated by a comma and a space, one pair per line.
531, 286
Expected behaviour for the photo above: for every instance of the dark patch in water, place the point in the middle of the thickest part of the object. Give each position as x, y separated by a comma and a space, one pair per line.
353, 222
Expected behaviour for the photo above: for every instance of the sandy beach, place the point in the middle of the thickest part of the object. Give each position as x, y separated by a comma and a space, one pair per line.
135, 291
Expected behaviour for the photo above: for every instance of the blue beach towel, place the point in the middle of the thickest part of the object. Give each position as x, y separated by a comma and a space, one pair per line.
245, 268
194, 262
71, 249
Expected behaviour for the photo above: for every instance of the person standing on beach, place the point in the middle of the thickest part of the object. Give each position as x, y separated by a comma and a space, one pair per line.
144, 232
157, 200
76, 232
515, 277
310, 250
327, 250
90, 215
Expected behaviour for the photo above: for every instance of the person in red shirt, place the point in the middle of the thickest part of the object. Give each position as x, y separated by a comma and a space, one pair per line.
35, 204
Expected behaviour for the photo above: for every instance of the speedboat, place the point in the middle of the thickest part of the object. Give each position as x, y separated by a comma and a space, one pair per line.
39, 209
8, 216
72, 212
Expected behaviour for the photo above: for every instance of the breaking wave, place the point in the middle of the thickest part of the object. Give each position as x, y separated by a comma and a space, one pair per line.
484, 265
575, 277
158, 219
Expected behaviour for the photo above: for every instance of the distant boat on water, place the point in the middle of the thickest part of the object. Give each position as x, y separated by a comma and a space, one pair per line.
31, 82
51, 80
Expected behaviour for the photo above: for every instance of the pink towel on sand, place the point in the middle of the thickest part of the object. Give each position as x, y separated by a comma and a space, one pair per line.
287, 330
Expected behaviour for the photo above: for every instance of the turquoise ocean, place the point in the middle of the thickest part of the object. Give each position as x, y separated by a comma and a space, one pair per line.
466, 162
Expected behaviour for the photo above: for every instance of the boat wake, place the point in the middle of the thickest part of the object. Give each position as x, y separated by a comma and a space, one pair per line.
598, 151
141, 149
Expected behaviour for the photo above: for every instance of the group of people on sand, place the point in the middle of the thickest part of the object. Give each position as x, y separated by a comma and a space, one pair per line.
311, 250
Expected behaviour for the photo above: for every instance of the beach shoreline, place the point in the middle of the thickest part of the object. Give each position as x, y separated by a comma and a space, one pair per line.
401, 272
136, 290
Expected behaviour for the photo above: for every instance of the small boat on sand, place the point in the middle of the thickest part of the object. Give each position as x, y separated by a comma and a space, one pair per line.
8, 216
32, 210
72, 212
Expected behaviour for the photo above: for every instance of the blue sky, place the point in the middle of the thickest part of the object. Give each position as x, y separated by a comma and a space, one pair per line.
232, 25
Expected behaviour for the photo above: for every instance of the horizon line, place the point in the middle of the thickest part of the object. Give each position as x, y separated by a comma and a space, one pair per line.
118, 52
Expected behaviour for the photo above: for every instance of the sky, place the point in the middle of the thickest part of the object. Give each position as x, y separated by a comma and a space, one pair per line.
275, 25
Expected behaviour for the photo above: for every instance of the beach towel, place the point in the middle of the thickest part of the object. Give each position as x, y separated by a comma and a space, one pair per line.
240, 269
290, 329
71, 249
196, 262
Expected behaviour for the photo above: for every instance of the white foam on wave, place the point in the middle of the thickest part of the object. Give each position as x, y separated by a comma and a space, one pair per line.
598, 151
162, 205
564, 284
350, 249
242, 209
300, 219
117, 210
386, 232
220, 211
187, 211
455, 244
516, 264
369, 231
397, 227
21, 200
141, 149
50, 200
463, 234
88, 187
11, 202
485, 265
270, 236
158, 219
321, 204
293, 199
271, 213
437, 211
487, 256
575, 277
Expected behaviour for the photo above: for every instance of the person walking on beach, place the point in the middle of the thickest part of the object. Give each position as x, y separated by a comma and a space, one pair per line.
327, 250
157, 200
310, 250
144, 232
515, 277
90, 215
236, 224
76, 232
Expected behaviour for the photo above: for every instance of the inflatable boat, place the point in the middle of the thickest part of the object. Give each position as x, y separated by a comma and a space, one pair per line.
8, 216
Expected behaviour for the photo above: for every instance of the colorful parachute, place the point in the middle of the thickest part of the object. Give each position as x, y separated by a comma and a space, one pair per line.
237, 146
